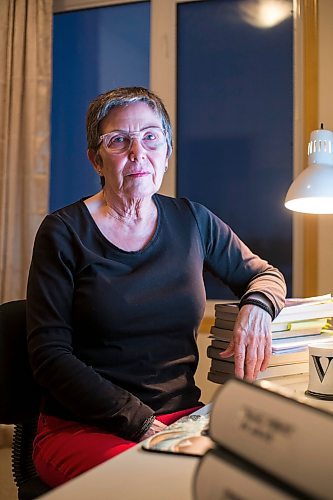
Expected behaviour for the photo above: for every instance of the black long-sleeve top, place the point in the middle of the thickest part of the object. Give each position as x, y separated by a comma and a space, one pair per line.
111, 333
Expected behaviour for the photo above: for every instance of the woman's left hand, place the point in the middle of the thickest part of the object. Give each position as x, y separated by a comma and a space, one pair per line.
251, 345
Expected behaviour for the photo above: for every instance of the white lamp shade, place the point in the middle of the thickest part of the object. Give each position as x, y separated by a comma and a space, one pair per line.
312, 191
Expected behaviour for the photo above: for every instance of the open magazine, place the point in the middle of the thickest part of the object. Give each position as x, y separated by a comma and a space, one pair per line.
187, 436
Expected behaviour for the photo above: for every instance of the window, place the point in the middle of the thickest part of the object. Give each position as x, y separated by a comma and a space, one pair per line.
228, 87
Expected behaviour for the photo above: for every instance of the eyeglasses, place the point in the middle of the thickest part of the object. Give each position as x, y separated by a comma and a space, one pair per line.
150, 138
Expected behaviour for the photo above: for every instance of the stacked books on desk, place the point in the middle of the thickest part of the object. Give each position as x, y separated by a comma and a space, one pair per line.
266, 446
301, 322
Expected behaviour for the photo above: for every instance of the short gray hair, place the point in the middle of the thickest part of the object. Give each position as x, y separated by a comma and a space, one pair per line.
100, 107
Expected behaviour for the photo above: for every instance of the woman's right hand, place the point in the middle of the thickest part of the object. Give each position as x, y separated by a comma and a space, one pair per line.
155, 427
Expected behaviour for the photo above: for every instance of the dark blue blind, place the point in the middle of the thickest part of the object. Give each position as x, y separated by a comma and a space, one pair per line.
235, 125
94, 50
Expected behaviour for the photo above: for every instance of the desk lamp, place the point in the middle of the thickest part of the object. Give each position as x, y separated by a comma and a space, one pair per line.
312, 191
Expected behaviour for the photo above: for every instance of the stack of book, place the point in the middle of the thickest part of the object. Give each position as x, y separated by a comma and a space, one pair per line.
301, 322
266, 446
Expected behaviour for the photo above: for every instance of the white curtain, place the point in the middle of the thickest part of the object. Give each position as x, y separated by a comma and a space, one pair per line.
25, 89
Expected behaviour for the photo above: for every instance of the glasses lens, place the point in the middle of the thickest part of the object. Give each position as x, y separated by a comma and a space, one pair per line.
152, 138
117, 142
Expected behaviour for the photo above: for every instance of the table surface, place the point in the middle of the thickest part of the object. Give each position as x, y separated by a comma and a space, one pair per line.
137, 474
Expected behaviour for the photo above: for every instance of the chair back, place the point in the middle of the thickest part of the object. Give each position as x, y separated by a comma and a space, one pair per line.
19, 398
19, 394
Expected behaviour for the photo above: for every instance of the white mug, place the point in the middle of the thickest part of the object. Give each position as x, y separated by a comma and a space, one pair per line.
321, 370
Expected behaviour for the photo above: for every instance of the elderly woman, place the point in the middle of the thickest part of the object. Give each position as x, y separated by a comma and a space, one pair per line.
116, 295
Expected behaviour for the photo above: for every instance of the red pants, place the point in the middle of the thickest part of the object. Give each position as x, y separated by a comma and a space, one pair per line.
64, 449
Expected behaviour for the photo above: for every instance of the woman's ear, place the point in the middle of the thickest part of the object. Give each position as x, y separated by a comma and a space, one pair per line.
96, 160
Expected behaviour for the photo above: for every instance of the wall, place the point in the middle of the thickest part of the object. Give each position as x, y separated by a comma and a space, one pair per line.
208, 388
325, 114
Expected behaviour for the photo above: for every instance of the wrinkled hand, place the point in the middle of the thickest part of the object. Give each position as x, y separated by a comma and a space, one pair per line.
251, 345
155, 427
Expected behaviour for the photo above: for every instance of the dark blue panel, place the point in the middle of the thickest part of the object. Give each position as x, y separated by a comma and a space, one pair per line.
94, 50
234, 125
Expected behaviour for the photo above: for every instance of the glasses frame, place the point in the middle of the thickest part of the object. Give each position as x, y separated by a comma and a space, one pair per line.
132, 136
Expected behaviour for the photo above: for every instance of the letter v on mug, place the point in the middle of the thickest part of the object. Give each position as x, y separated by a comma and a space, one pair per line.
321, 370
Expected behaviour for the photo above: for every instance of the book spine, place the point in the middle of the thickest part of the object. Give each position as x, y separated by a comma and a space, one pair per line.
213, 352
221, 474
292, 334
228, 366
221, 333
220, 344
311, 313
219, 377
221, 322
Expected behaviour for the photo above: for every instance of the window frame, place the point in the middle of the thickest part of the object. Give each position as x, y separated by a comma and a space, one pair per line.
163, 81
